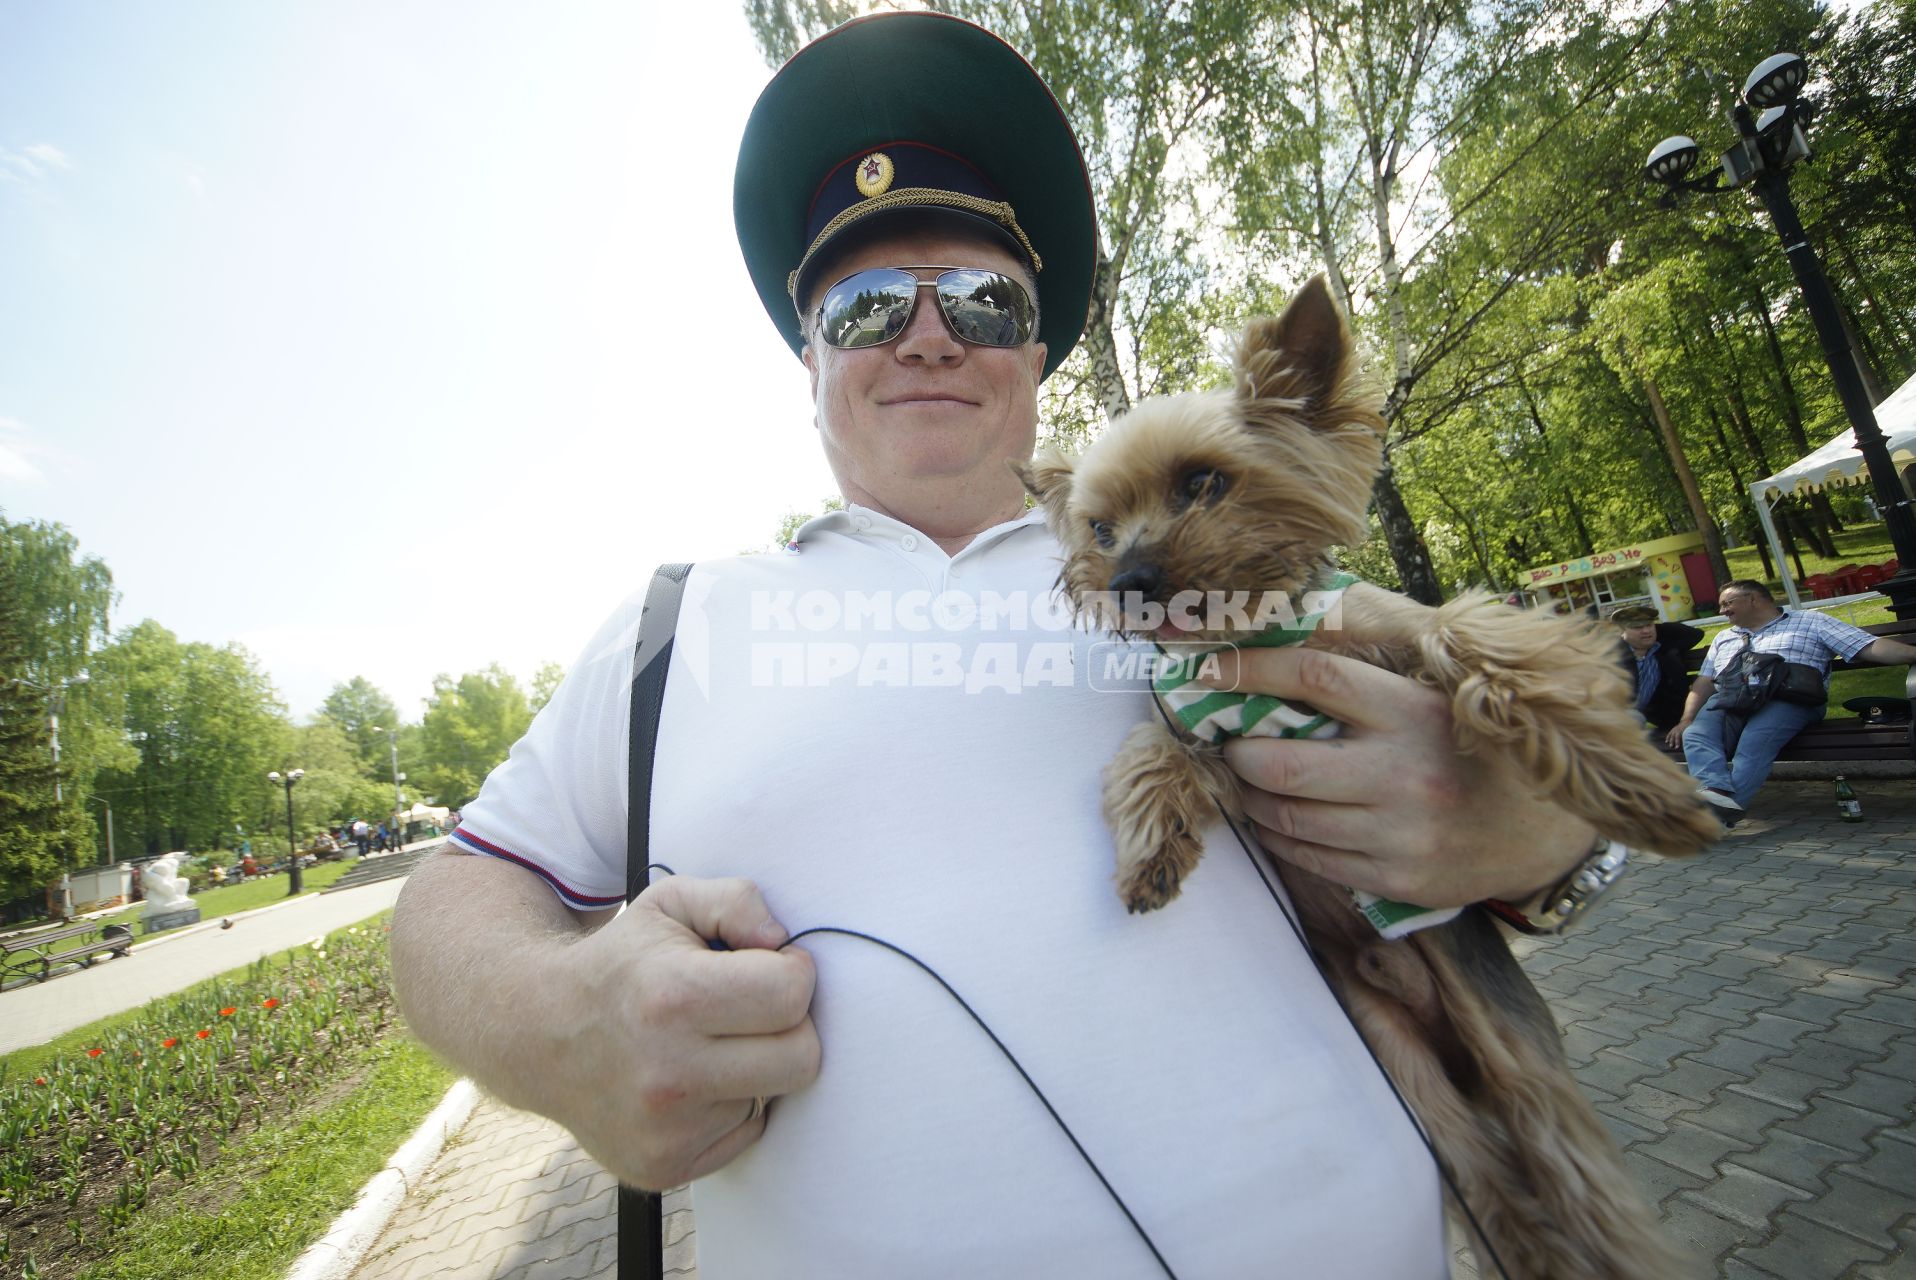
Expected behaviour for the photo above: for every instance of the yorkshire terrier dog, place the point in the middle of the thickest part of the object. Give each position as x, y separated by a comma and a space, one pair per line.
1246, 491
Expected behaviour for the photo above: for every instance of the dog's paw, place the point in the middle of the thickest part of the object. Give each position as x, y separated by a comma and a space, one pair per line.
1150, 885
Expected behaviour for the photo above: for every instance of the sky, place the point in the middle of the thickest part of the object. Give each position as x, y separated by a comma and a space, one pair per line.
386, 340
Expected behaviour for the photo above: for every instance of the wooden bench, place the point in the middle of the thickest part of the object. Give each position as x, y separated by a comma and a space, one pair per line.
1883, 729
115, 939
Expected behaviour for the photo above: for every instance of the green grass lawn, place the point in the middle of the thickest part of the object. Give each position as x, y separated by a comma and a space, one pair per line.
261, 891
254, 1210
1859, 544
318, 1125
230, 899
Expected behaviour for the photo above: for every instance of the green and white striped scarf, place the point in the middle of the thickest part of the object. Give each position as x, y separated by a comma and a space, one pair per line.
1215, 715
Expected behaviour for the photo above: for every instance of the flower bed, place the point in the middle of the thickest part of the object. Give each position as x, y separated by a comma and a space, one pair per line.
87, 1140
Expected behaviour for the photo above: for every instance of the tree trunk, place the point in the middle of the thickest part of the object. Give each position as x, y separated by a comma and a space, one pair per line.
1712, 544
1794, 520
1792, 526
1744, 502
1792, 403
1733, 397
1107, 376
1478, 551
1415, 572
1864, 352
1886, 320
1320, 205
1584, 540
1793, 414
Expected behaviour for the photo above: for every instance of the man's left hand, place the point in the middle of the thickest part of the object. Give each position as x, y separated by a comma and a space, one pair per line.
1392, 806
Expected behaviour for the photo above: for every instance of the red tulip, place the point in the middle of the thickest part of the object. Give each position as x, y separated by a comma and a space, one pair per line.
201, 1035
228, 1011
169, 1042
271, 1002
94, 1053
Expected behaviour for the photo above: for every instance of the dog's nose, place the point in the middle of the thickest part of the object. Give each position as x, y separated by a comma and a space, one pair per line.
1145, 579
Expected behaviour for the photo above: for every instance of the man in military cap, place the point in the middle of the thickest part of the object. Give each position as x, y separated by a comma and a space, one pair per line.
889, 730
1652, 650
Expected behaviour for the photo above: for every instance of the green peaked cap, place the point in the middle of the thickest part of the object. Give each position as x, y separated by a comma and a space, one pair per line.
965, 126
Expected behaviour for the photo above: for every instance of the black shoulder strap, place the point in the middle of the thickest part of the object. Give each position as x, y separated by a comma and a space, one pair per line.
651, 659
641, 1217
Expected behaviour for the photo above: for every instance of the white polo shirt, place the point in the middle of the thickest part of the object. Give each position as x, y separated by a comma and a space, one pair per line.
907, 744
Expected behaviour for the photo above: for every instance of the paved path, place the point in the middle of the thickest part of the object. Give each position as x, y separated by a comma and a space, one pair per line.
1744, 1021
37, 1012
513, 1197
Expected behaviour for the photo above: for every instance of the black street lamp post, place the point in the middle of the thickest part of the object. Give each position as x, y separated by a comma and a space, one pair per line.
292, 841
1766, 147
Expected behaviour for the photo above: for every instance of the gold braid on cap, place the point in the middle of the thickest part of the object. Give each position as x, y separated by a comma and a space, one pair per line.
905, 197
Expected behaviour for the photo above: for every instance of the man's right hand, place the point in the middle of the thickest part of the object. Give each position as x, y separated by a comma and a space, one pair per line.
676, 1039
635, 1034
1674, 738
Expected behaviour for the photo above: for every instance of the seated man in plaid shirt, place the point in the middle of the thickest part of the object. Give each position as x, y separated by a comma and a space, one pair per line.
1729, 753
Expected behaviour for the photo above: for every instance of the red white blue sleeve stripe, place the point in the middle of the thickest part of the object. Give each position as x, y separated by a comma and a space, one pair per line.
584, 901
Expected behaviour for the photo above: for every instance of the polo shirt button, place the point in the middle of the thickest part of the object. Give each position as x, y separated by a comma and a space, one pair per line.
909, 542
863, 522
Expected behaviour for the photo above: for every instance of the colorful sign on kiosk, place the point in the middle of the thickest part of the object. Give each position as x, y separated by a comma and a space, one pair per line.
1654, 573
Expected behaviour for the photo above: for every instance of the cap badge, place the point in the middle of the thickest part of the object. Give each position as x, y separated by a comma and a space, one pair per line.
873, 175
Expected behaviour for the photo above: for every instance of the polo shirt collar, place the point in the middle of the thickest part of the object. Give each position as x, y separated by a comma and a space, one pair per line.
869, 525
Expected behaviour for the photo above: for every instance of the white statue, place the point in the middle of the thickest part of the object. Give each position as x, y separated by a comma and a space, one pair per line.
164, 886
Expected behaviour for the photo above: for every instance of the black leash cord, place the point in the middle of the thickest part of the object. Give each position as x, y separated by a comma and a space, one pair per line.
1443, 1170
1009, 1057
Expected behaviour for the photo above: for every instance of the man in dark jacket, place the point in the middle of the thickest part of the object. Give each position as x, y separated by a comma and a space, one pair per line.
1653, 652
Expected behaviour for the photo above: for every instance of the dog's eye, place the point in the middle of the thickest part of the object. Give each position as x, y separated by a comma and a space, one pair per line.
1102, 531
1204, 485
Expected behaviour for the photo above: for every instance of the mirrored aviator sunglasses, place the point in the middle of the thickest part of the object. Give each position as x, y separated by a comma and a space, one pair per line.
870, 308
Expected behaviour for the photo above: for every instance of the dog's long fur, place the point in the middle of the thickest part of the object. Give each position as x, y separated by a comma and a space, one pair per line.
1294, 450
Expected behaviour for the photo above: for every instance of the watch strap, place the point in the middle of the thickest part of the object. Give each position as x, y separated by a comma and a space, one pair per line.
1564, 903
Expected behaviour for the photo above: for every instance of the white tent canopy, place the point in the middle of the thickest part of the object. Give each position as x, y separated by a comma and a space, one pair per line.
425, 813
1837, 462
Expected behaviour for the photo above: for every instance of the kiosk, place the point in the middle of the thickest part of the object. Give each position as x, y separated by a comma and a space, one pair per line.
1670, 575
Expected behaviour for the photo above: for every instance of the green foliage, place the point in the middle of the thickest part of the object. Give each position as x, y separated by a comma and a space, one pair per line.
31, 852
470, 725
335, 788
54, 607
545, 682
364, 713
1469, 176
207, 727
178, 738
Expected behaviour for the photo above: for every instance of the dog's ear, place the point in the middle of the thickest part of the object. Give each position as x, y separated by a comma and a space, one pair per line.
1046, 477
1301, 365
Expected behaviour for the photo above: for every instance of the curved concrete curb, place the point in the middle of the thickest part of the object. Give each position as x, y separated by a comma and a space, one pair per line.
341, 1250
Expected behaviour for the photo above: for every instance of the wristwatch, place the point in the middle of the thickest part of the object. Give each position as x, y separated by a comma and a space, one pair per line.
1563, 904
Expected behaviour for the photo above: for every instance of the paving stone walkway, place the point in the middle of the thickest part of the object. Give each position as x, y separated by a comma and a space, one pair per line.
513, 1197
1744, 1021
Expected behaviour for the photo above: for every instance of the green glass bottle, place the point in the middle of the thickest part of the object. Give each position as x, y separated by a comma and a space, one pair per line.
1848, 807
